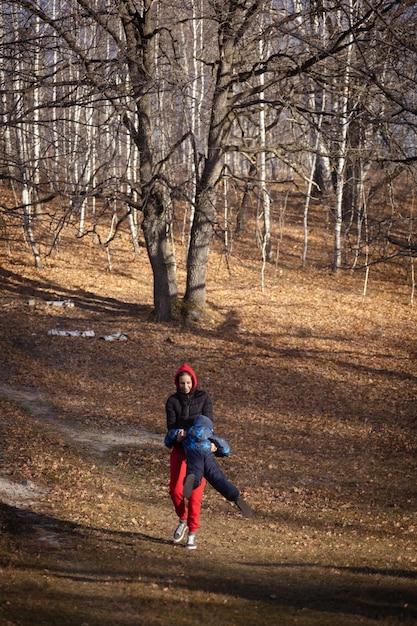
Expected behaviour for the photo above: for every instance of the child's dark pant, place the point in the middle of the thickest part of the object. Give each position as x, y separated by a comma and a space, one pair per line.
203, 463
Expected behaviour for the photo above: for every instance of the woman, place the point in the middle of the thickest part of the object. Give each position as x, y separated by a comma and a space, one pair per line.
181, 409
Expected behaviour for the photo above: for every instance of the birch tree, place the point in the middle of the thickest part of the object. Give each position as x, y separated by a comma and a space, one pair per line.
114, 81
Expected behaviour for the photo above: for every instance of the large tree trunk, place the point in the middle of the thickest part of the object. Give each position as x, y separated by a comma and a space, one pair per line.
141, 60
162, 262
201, 232
220, 123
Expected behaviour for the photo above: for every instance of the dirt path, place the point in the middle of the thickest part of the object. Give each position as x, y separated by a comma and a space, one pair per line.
96, 442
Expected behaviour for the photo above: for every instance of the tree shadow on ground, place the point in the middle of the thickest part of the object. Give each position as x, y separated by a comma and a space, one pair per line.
13, 284
21, 522
111, 560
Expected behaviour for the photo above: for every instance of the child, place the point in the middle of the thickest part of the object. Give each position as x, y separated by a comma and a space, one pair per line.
200, 456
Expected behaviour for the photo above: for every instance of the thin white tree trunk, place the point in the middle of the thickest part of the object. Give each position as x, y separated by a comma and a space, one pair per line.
195, 101
26, 201
36, 139
23, 156
342, 155
365, 221
225, 181
310, 183
265, 201
410, 238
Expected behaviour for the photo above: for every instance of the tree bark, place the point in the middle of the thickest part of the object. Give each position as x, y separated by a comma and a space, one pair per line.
141, 60
220, 124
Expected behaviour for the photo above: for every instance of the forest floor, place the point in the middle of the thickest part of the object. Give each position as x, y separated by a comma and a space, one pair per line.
315, 388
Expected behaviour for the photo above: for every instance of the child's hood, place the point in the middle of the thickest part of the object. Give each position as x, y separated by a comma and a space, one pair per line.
203, 420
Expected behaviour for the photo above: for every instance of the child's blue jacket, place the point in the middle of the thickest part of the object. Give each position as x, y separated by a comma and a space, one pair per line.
199, 436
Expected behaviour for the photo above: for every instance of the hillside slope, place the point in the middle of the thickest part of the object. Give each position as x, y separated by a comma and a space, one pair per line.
315, 389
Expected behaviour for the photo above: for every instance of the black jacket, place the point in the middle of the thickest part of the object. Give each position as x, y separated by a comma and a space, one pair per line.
182, 408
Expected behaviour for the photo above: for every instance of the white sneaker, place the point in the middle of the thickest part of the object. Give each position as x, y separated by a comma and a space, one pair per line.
190, 545
180, 531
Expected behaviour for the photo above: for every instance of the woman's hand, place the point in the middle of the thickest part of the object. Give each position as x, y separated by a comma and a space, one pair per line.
181, 435
213, 447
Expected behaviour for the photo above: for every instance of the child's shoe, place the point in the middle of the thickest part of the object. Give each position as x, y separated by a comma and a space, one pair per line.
188, 486
191, 545
244, 508
180, 531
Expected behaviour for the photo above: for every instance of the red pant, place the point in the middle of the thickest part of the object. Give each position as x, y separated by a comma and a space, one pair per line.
177, 471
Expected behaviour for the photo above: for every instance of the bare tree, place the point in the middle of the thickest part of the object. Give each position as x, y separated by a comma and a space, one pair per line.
128, 118
233, 20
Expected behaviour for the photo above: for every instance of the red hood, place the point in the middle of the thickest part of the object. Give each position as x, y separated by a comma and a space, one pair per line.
189, 370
